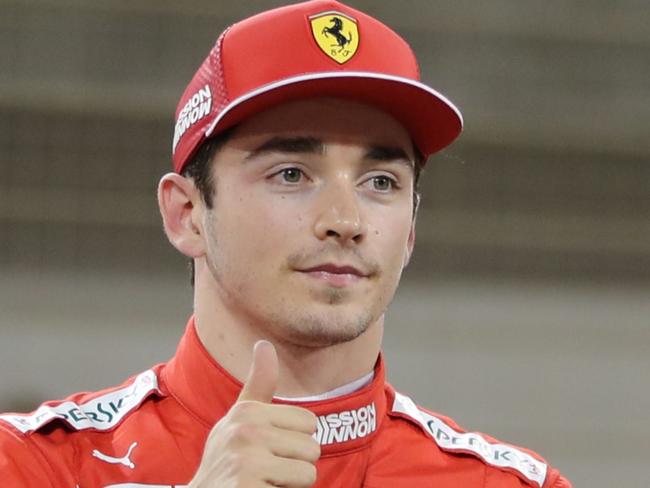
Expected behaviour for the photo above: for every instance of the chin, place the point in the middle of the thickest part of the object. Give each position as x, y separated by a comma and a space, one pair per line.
326, 329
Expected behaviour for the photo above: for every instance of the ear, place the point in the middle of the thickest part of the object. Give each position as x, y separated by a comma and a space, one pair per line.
182, 210
410, 244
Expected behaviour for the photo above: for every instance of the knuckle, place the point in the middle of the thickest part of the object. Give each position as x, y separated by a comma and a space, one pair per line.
315, 450
243, 409
311, 420
244, 433
309, 448
310, 474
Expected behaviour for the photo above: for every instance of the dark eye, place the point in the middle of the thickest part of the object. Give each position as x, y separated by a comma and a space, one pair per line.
382, 183
291, 175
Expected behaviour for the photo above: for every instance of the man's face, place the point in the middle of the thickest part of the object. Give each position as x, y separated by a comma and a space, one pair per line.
312, 220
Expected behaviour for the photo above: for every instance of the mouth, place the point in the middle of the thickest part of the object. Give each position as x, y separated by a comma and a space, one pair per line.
335, 275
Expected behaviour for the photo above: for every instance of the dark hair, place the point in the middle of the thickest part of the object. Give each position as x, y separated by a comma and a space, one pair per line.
199, 168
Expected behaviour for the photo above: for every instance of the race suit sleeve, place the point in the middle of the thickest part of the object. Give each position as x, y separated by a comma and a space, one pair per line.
21, 462
556, 480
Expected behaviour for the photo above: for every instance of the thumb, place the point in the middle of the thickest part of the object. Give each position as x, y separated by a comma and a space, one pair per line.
263, 374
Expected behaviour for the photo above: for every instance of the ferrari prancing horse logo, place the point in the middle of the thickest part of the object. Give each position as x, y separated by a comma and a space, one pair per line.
336, 34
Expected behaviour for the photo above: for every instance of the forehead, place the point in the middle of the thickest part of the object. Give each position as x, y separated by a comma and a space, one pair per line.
329, 120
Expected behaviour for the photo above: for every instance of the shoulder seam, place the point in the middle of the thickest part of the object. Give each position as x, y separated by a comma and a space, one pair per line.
504, 456
102, 412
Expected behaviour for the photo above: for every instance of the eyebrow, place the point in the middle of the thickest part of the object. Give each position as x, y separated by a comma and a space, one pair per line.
389, 153
288, 145
311, 145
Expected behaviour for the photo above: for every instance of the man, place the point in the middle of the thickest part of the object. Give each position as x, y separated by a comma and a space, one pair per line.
297, 150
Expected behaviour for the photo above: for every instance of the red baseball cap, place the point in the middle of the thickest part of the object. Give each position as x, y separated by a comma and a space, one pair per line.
320, 48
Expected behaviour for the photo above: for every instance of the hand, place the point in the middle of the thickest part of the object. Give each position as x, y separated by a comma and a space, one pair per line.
258, 444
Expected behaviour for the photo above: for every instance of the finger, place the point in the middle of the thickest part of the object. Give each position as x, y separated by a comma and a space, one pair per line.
290, 473
263, 374
293, 445
291, 417
285, 417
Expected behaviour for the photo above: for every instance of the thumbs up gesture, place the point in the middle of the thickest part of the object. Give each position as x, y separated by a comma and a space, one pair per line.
259, 444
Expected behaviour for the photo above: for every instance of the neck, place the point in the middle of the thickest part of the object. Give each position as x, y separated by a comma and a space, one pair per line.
304, 371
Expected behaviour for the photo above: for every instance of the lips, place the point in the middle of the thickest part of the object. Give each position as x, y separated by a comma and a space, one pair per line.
336, 269
335, 275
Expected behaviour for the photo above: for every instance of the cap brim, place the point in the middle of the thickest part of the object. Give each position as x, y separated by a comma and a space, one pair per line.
432, 120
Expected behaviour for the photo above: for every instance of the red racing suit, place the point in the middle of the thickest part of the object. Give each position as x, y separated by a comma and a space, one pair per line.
150, 432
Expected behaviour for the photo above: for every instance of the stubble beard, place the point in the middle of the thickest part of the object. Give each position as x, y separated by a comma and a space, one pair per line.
320, 330
299, 327
290, 324
332, 322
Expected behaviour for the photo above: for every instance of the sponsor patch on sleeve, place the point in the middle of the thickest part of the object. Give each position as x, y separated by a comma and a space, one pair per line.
101, 413
449, 439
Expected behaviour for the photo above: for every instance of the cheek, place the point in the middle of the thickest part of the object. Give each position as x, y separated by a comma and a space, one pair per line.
390, 236
258, 227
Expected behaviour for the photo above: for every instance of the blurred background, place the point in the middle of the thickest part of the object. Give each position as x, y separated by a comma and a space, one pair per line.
525, 312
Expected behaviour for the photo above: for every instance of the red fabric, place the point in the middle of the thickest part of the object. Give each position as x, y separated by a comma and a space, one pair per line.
279, 45
170, 421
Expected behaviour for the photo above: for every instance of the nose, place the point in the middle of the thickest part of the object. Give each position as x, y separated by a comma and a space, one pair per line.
340, 217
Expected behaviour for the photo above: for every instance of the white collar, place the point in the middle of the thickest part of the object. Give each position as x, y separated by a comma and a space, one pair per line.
336, 392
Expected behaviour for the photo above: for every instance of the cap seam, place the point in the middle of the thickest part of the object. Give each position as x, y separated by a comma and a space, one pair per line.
221, 71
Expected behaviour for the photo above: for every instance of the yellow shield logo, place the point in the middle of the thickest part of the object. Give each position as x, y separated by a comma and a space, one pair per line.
336, 34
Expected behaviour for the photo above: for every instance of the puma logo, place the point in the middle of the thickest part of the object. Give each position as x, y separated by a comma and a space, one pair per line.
125, 460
